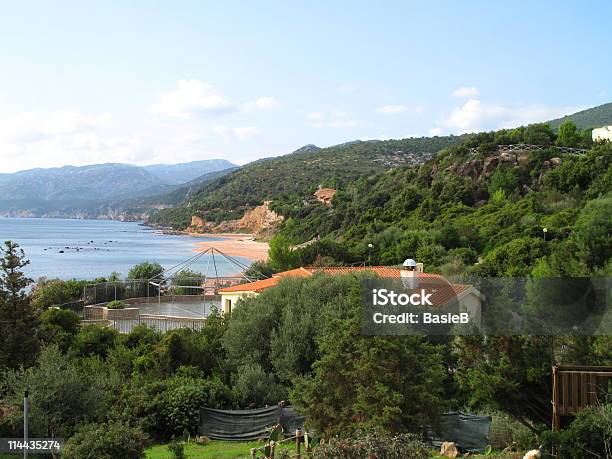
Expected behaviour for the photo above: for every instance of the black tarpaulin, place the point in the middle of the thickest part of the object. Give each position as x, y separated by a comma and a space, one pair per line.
468, 431
242, 425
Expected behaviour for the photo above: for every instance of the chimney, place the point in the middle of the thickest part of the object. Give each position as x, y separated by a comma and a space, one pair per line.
410, 273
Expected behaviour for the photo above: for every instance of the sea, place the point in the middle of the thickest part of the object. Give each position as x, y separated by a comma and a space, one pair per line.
87, 249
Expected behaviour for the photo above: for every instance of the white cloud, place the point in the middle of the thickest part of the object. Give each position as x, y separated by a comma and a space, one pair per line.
191, 98
30, 140
465, 91
315, 116
391, 109
419, 109
435, 131
475, 115
261, 103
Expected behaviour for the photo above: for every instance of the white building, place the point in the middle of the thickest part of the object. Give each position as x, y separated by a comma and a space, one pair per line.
602, 133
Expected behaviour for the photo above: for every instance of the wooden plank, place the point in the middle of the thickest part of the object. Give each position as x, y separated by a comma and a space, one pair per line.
574, 389
584, 390
565, 398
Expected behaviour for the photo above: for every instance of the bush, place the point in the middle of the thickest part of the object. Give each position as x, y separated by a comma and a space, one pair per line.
183, 399
588, 436
106, 441
371, 445
255, 388
115, 304
145, 270
177, 449
59, 326
94, 340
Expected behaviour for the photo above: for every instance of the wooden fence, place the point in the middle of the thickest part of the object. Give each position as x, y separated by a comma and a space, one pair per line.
576, 387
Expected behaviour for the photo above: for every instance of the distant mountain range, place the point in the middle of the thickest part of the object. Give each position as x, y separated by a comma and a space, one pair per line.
102, 190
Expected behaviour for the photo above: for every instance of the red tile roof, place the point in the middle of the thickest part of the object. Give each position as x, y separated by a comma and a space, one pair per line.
442, 290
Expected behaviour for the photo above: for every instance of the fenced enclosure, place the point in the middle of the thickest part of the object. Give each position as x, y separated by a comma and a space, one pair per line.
575, 387
177, 297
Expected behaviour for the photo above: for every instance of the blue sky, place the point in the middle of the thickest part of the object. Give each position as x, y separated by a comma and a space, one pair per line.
147, 82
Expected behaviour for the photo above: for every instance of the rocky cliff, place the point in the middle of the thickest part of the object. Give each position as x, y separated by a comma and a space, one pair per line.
260, 221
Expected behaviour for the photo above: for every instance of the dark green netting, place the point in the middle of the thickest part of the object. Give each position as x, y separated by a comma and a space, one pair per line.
468, 431
242, 425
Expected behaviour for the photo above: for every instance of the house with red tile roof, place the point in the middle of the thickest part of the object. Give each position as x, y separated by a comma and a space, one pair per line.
443, 292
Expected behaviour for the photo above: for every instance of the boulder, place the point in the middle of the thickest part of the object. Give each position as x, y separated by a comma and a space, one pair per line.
449, 449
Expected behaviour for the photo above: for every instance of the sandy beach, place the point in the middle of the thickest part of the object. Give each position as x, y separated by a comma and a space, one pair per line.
236, 245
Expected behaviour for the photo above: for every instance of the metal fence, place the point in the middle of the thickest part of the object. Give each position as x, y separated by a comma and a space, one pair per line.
104, 292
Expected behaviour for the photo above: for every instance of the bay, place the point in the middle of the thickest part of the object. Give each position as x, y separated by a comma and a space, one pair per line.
86, 249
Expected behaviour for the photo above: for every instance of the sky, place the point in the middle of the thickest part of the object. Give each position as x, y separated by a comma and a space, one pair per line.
147, 82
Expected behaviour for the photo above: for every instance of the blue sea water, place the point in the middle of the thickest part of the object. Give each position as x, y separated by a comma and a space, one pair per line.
94, 248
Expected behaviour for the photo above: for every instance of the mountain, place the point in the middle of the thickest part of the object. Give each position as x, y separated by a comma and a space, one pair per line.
104, 181
294, 177
589, 118
177, 174
109, 190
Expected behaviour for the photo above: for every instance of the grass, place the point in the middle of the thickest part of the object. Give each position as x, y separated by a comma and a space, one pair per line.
212, 450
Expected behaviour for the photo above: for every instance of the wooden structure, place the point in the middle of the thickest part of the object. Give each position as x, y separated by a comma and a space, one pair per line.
575, 387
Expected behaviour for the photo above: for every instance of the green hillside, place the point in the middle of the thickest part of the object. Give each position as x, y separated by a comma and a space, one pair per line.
586, 119
294, 177
470, 209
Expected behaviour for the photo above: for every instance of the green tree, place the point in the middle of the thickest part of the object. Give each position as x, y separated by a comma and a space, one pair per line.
50, 292
61, 397
592, 232
94, 340
364, 382
145, 270
539, 134
111, 440
568, 135
18, 319
59, 326
254, 388
281, 257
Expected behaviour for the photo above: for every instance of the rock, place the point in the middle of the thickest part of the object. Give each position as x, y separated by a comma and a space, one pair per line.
533, 454
449, 449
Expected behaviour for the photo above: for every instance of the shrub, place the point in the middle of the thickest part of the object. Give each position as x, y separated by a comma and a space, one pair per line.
145, 270
371, 445
94, 340
183, 399
177, 449
115, 304
255, 388
588, 436
106, 441
59, 326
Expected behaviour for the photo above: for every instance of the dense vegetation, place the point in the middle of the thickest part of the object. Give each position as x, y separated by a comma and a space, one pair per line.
471, 209
294, 177
112, 394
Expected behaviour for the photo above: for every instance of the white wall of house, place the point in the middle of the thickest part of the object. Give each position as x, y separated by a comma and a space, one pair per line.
229, 300
602, 133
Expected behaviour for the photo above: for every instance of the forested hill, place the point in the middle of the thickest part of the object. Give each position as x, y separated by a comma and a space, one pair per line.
586, 119
292, 178
472, 209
